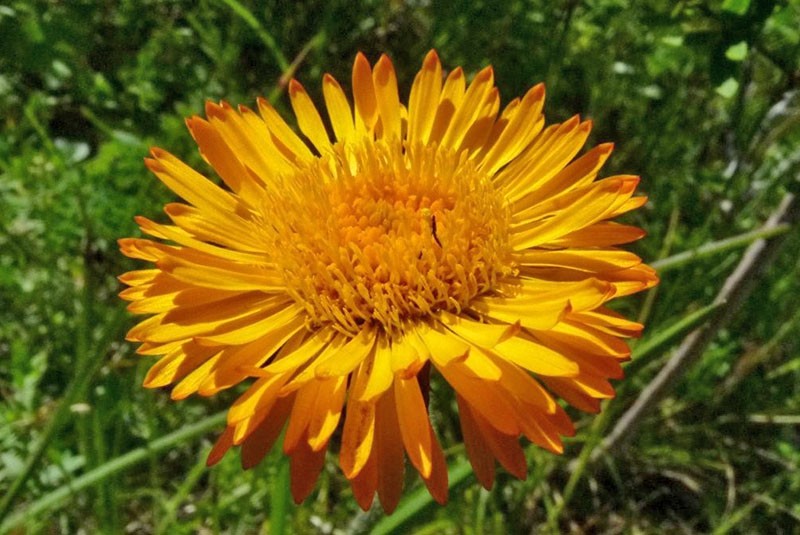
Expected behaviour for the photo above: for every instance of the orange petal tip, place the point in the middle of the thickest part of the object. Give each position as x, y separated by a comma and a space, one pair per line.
538, 90
487, 73
157, 152
210, 107
383, 70
431, 60
295, 87
606, 148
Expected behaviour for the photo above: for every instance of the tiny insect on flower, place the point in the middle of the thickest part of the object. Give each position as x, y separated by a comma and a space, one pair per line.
445, 240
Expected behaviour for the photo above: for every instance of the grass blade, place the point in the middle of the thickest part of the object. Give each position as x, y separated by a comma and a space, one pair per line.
114, 466
263, 34
418, 501
279, 506
734, 242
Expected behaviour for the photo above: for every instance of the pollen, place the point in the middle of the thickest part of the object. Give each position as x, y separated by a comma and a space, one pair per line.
382, 234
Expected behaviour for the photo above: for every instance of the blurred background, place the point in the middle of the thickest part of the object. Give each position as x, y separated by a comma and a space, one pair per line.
701, 99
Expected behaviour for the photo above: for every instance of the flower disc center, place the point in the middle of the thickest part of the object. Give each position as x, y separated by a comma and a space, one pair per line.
381, 234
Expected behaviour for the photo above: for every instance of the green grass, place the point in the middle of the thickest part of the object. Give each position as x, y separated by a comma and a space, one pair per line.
701, 100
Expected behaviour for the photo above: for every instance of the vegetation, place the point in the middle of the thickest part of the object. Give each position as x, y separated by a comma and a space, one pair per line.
701, 99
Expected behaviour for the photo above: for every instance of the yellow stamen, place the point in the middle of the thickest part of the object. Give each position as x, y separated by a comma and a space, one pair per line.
376, 233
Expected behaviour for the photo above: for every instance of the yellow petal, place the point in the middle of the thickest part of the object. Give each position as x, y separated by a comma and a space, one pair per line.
249, 139
239, 359
481, 365
348, 357
488, 398
305, 466
308, 118
603, 234
479, 89
289, 319
182, 237
480, 334
365, 482
482, 125
579, 173
412, 416
593, 386
266, 159
283, 137
385, 82
424, 99
444, 347
546, 159
319, 340
436, 482
304, 404
378, 367
208, 271
327, 411
364, 95
220, 156
589, 339
177, 364
525, 389
191, 382
261, 394
608, 321
189, 184
542, 432
221, 446
338, 108
596, 203
143, 249
451, 96
406, 354
540, 304
591, 260
357, 437
504, 447
535, 357
524, 124
226, 315
229, 230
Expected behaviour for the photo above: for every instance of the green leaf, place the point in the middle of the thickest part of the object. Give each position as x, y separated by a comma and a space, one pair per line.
737, 52
738, 7
728, 88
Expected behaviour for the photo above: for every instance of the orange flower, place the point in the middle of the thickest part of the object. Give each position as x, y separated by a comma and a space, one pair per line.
444, 237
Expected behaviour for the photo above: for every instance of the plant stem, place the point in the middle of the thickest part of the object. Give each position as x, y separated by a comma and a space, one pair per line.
734, 242
262, 33
280, 498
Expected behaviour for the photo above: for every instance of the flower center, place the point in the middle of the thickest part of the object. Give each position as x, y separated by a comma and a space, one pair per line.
381, 234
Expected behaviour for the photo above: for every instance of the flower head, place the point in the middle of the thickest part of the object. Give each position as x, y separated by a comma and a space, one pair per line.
336, 275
